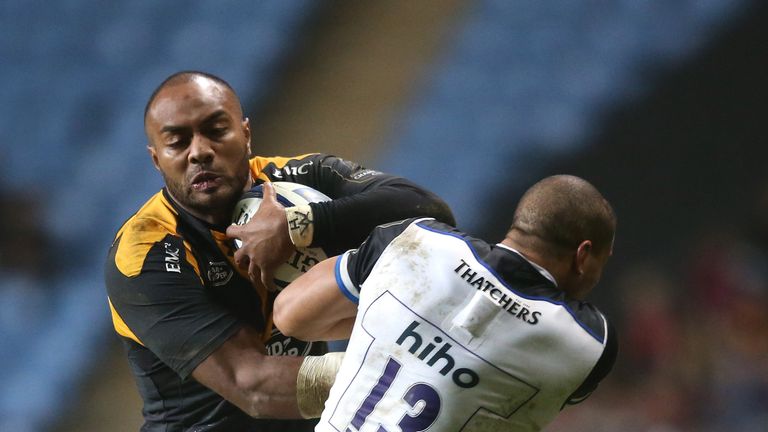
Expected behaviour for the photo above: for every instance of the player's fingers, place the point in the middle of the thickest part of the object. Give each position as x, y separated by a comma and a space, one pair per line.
254, 273
241, 259
270, 195
234, 231
268, 280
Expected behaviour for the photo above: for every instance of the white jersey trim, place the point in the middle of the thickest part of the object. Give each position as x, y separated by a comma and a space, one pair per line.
605, 329
346, 286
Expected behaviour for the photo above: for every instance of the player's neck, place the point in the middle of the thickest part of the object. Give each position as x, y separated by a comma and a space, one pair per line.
535, 251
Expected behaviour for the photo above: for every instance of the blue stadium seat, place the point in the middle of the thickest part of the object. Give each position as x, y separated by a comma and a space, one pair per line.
526, 80
76, 76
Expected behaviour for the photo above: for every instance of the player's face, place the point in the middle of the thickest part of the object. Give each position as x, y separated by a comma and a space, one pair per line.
201, 144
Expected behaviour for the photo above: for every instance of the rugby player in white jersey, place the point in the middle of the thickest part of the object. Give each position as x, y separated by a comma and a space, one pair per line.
451, 333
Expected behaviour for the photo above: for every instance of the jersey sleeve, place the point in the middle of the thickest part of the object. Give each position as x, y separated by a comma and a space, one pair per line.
163, 304
601, 369
354, 266
361, 199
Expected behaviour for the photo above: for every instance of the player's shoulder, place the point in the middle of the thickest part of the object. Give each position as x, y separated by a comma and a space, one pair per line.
391, 229
260, 161
416, 227
272, 167
156, 221
590, 318
156, 216
432, 224
448, 231
437, 227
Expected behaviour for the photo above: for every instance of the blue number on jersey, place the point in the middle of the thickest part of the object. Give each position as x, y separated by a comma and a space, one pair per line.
417, 393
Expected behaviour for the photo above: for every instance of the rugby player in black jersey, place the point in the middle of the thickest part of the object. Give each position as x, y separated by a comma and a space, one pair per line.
195, 315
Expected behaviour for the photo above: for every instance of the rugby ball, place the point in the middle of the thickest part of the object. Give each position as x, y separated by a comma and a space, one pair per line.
288, 195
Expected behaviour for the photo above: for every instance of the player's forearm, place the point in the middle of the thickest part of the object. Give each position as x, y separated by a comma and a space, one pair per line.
337, 331
268, 389
241, 372
341, 330
313, 308
299, 391
284, 387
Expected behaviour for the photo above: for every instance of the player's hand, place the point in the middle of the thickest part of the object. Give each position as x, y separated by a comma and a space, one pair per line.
265, 240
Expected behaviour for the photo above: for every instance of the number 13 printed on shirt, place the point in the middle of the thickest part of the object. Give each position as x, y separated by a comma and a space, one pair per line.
424, 400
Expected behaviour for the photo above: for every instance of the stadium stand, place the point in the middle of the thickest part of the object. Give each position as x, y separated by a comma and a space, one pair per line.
522, 81
76, 76
525, 81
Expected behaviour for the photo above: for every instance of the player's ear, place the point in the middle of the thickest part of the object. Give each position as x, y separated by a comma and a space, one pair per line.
582, 254
246, 125
153, 154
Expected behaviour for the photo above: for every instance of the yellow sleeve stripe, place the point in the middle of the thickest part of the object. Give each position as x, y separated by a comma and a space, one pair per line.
191, 259
133, 250
150, 225
120, 327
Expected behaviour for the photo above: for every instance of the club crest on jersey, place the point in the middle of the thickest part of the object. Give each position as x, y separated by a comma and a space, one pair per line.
219, 273
280, 344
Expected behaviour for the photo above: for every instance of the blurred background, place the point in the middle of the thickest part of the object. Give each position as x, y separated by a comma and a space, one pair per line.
659, 103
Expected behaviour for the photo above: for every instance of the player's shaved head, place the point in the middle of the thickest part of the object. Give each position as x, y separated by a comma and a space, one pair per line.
561, 211
185, 77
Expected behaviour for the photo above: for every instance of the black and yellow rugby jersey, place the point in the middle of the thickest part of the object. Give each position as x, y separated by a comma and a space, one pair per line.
176, 295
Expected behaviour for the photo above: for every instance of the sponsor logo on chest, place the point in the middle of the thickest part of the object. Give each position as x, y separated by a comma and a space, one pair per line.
441, 359
499, 296
292, 170
219, 273
172, 258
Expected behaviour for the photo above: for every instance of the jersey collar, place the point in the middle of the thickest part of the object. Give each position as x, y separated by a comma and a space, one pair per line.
544, 272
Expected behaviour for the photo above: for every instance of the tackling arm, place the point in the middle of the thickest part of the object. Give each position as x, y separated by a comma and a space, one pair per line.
268, 386
241, 372
313, 308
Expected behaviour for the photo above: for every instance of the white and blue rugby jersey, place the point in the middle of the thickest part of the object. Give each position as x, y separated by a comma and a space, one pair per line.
454, 334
